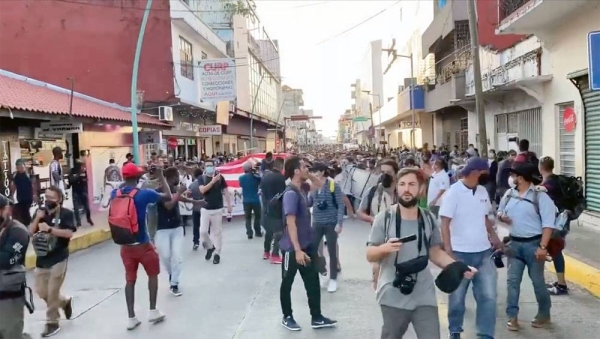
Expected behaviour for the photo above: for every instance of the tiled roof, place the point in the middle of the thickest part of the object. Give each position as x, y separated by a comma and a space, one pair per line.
24, 95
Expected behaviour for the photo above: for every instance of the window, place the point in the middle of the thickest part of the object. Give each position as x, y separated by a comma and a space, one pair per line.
464, 124
187, 2
186, 58
204, 56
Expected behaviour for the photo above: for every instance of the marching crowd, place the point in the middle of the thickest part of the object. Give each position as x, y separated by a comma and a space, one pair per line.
436, 206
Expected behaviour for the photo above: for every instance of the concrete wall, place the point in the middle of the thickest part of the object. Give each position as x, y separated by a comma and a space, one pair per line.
566, 53
52, 40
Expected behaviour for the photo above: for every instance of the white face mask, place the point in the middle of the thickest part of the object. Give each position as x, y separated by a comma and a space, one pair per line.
511, 182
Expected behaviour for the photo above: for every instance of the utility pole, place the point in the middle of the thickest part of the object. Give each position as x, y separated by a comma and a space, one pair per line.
134, 77
412, 104
372, 126
479, 104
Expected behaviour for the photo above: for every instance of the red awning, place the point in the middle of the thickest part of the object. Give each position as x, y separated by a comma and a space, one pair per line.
26, 96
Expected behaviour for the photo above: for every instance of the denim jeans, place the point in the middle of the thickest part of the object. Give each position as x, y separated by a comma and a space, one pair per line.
524, 257
484, 291
168, 243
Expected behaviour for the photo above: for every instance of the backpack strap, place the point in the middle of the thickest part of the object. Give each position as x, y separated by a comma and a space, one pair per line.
133, 193
535, 202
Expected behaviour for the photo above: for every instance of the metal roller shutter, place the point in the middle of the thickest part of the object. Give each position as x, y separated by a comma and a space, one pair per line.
530, 128
566, 141
591, 102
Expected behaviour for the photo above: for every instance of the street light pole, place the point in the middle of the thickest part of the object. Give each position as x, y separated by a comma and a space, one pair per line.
134, 77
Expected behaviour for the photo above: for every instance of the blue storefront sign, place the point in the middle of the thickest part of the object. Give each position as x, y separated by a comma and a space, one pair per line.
594, 60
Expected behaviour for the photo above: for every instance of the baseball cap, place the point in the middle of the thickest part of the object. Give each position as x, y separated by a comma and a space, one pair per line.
451, 277
475, 164
4, 201
131, 170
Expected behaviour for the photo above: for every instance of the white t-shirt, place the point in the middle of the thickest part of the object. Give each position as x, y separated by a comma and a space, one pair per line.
439, 181
468, 210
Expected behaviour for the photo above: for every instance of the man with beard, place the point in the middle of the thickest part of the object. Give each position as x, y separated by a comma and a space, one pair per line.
417, 303
467, 233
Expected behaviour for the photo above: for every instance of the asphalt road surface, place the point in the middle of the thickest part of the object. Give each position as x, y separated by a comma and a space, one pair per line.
239, 299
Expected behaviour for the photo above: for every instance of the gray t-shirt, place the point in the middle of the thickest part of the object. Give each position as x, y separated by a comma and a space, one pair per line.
424, 291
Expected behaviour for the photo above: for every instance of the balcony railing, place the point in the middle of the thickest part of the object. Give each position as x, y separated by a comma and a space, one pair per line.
457, 65
508, 7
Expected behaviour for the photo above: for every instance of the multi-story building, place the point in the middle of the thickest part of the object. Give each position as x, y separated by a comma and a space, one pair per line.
447, 39
258, 74
367, 93
293, 101
176, 40
566, 108
345, 127
401, 119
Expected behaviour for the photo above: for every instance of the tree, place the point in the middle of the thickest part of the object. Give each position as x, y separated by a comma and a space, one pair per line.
245, 8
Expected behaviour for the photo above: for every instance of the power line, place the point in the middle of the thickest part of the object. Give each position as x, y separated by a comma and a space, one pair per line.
360, 23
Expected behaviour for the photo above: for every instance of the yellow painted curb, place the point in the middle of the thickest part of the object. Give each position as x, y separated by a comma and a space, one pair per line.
580, 274
77, 244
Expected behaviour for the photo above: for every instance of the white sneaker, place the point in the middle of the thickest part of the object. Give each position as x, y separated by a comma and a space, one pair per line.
332, 286
132, 323
323, 281
155, 316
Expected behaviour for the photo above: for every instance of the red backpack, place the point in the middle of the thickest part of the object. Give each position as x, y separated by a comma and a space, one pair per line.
123, 218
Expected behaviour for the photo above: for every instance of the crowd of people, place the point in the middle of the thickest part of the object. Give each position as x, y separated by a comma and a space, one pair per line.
428, 205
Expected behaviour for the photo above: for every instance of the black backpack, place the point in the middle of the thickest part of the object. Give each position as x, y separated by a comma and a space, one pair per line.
572, 195
275, 205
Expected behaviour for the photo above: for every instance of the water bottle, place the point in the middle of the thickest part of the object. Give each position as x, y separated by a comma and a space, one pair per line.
561, 221
228, 217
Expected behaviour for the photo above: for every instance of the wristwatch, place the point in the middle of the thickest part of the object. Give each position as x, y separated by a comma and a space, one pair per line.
543, 247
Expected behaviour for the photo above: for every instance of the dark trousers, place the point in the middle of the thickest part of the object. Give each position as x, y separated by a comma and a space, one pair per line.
310, 277
196, 227
331, 237
23, 215
273, 233
249, 208
80, 199
352, 200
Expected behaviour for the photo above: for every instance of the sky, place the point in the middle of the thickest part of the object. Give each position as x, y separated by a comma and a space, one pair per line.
313, 58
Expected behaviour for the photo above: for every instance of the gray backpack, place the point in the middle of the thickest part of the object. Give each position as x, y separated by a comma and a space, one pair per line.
43, 243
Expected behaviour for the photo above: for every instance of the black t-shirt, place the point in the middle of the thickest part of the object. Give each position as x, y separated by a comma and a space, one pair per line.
78, 181
168, 219
271, 184
61, 252
24, 189
214, 196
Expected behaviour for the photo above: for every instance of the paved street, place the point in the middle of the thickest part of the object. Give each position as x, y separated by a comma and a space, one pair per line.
240, 298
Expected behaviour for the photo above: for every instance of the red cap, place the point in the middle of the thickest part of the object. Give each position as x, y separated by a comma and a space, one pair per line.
131, 170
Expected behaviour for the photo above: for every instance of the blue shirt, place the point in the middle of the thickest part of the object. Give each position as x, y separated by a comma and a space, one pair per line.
295, 203
249, 184
142, 199
526, 221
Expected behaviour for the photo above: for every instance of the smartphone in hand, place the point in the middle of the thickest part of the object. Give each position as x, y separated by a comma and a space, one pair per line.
408, 238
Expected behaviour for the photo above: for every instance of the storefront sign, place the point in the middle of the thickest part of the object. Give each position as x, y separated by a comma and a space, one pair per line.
188, 126
217, 80
172, 143
594, 60
61, 127
38, 134
210, 130
408, 124
151, 137
569, 119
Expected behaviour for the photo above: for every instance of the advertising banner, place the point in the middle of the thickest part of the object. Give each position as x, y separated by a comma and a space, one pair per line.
217, 80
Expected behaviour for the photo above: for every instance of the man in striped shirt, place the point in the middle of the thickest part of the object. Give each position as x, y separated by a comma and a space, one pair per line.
328, 216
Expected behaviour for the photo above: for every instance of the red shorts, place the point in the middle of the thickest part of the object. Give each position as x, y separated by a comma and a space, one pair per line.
144, 254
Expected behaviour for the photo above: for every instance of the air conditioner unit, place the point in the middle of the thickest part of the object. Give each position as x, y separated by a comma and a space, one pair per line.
165, 113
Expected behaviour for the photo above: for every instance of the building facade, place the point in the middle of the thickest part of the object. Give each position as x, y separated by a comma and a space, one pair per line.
401, 120
258, 74
568, 108
447, 39
367, 93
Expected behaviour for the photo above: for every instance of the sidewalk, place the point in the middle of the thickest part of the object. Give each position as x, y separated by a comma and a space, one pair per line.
582, 258
85, 237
